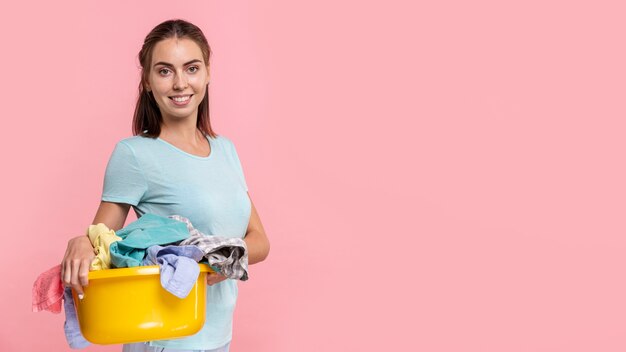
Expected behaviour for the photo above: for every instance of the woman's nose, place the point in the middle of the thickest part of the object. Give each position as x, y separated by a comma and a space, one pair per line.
180, 82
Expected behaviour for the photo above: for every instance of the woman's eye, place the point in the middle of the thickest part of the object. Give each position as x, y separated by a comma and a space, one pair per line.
163, 71
194, 68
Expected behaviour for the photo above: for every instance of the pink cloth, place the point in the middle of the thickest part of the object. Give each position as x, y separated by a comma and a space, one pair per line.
48, 291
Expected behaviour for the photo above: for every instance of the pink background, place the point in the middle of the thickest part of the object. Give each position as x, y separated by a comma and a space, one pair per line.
443, 177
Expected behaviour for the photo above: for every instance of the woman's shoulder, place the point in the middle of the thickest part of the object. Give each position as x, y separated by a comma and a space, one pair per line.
135, 142
135, 145
219, 137
223, 140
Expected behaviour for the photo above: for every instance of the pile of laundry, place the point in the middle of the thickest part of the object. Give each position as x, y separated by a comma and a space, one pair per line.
170, 242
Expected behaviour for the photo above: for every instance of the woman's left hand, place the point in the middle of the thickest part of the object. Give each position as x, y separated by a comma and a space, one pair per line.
213, 278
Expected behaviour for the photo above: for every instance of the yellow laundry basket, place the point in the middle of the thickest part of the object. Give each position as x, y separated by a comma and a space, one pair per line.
129, 305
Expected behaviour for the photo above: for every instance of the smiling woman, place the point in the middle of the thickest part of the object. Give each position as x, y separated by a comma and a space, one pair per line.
175, 65
175, 82
176, 164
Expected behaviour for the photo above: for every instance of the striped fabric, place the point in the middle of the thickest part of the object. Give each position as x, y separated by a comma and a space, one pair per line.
226, 254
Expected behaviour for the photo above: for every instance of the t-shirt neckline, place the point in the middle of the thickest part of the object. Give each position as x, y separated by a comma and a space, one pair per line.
211, 147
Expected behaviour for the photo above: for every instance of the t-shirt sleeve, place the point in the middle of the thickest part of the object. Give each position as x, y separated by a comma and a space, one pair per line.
124, 181
237, 163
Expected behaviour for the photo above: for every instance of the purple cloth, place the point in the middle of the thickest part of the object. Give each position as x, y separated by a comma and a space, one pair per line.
72, 330
179, 267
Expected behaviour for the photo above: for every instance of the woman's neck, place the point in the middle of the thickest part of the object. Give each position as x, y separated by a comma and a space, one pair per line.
183, 131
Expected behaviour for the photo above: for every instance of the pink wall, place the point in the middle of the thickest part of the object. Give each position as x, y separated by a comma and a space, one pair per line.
444, 177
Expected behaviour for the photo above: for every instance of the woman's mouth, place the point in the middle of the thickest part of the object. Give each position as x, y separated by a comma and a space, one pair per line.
181, 100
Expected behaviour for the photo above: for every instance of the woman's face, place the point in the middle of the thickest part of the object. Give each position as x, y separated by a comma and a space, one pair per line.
178, 78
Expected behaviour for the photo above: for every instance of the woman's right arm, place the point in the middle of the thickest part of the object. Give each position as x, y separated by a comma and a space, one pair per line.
80, 252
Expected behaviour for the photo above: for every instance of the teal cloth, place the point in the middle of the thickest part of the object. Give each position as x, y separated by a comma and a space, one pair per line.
155, 177
149, 230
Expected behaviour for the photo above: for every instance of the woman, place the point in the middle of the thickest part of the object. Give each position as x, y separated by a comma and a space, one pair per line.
176, 164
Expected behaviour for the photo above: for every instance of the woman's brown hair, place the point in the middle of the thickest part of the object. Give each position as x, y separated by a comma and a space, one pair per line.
147, 119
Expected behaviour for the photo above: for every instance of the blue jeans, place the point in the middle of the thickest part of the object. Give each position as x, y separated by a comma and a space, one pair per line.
144, 347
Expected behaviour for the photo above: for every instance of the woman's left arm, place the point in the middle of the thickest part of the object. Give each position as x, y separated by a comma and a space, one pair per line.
256, 239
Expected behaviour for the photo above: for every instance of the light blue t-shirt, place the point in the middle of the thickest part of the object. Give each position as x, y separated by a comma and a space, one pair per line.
156, 177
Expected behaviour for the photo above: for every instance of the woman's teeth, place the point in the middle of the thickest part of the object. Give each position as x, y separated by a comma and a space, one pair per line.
181, 99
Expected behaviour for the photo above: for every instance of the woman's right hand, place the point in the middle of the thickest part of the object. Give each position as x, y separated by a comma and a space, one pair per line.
76, 263
80, 252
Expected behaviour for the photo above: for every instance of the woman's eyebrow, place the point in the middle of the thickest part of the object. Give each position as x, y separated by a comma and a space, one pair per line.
170, 65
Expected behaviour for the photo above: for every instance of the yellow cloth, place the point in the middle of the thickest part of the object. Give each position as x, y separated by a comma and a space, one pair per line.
101, 238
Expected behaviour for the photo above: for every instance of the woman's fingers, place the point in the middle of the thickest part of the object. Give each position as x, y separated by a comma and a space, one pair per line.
213, 278
66, 273
75, 280
83, 273
76, 263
